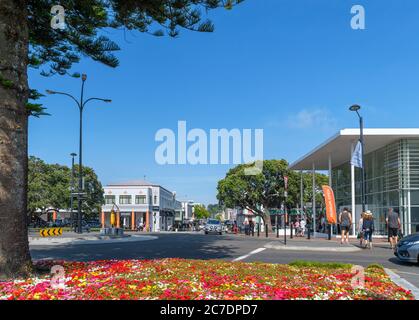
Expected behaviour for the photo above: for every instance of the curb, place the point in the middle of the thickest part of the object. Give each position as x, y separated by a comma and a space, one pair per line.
402, 283
89, 240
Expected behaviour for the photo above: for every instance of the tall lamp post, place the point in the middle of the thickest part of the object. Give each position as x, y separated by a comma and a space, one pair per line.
356, 108
81, 104
72, 185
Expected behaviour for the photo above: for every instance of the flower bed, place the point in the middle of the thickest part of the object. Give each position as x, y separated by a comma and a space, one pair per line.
178, 279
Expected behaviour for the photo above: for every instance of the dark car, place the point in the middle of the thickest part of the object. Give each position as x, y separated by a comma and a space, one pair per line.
408, 248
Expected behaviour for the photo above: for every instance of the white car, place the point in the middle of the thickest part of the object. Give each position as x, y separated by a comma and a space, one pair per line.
213, 226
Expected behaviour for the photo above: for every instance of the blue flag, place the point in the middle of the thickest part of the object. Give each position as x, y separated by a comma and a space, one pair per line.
357, 156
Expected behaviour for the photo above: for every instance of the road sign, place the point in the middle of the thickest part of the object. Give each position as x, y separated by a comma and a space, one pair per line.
51, 232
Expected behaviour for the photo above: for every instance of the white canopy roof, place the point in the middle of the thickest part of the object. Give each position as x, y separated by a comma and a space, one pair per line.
339, 146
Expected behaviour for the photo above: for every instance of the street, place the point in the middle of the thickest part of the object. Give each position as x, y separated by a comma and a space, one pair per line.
231, 248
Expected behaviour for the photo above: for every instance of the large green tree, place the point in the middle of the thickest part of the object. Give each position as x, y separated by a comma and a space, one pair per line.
49, 187
200, 212
266, 190
28, 40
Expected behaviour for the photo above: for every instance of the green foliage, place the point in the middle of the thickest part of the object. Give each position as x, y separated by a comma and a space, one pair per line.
201, 213
6, 83
49, 187
87, 24
321, 265
375, 266
214, 209
35, 109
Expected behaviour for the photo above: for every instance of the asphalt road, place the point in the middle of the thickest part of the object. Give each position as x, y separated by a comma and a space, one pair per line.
225, 247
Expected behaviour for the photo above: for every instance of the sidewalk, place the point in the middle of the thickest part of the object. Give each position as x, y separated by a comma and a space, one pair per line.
318, 244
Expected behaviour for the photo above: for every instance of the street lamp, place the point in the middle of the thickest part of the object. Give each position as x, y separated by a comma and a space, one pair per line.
72, 185
356, 108
81, 104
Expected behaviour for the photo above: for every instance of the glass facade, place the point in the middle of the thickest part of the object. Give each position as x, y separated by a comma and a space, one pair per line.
392, 180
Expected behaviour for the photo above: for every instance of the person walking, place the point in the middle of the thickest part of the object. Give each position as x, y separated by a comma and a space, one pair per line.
394, 225
368, 228
345, 221
360, 229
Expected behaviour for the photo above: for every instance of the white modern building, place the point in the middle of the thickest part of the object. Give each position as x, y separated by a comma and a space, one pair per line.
138, 202
391, 167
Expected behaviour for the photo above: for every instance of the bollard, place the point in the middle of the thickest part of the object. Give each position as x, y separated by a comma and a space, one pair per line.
277, 229
266, 230
291, 228
258, 229
308, 231
330, 232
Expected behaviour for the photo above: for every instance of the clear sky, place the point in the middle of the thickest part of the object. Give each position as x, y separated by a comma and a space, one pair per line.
290, 67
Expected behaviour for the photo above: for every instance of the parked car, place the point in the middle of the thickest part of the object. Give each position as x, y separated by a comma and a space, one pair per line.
408, 248
213, 226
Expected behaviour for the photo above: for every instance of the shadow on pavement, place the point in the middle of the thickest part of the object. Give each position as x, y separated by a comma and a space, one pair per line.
166, 246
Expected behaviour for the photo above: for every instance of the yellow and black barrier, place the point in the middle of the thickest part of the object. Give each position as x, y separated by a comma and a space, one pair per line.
51, 232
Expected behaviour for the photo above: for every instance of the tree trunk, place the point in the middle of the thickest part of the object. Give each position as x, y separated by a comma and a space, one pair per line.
15, 260
267, 219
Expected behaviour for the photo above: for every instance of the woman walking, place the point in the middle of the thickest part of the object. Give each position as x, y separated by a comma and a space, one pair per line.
345, 221
368, 228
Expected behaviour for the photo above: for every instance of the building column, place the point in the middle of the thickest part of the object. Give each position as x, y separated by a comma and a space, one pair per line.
103, 219
314, 201
118, 219
147, 221
330, 184
353, 195
301, 194
133, 220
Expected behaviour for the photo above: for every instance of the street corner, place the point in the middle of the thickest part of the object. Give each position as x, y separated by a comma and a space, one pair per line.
93, 240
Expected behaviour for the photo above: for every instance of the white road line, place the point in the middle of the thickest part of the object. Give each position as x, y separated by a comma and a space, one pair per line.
249, 254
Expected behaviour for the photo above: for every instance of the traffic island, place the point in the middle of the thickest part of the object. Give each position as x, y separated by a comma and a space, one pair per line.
180, 279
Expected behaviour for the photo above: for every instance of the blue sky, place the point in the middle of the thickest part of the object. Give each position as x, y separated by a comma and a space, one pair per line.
290, 67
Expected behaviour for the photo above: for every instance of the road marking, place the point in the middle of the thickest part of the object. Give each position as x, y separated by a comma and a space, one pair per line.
403, 283
249, 254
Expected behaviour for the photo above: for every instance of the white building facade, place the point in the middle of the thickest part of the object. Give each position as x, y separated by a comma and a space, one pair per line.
140, 203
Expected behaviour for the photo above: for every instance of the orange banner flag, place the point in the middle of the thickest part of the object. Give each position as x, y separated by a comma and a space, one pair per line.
329, 199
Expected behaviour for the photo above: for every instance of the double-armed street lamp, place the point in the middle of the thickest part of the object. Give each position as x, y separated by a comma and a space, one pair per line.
356, 108
72, 185
81, 104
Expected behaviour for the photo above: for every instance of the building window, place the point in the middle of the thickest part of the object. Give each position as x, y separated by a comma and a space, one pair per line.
109, 199
155, 199
140, 199
124, 199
